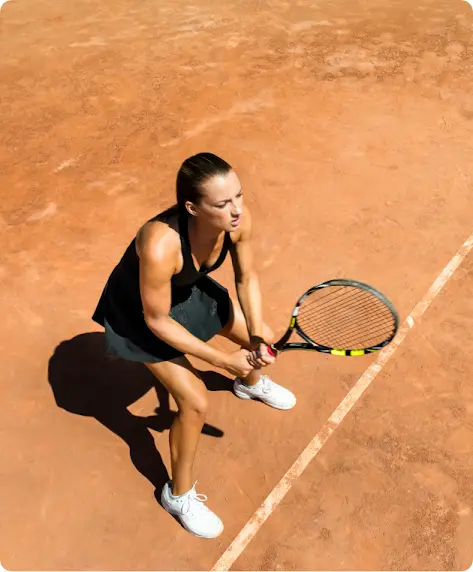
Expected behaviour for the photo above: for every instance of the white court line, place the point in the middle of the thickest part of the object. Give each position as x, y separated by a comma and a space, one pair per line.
309, 453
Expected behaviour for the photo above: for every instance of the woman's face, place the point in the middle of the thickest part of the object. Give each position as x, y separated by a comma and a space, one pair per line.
222, 202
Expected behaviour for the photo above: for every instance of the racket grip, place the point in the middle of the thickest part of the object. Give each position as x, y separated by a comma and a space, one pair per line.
271, 352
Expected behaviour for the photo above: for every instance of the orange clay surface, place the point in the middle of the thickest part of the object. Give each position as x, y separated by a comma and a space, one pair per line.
350, 126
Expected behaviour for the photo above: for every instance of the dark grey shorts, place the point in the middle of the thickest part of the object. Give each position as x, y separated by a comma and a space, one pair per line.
204, 311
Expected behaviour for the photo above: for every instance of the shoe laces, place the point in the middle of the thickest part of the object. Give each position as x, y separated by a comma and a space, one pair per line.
194, 503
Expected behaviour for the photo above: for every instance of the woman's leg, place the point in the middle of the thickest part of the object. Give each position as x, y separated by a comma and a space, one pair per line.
182, 381
184, 384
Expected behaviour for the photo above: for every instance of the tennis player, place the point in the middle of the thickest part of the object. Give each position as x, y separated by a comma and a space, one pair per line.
160, 304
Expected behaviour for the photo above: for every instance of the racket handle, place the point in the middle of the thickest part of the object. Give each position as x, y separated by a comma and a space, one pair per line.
271, 352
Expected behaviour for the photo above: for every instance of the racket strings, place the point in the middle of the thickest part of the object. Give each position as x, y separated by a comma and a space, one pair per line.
350, 331
343, 314
333, 301
329, 294
346, 310
346, 318
340, 302
345, 329
347, 313
357, 341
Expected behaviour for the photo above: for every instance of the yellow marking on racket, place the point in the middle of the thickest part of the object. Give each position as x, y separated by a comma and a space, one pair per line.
338, 352
357, 352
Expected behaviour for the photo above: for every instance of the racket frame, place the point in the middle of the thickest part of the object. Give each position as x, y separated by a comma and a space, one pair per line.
283, 345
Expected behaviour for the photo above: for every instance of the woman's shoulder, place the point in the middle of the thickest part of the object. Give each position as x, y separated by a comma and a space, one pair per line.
159, 236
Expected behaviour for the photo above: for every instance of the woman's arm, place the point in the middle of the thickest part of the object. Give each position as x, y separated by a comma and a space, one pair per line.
246, 279
158, 260
249, 294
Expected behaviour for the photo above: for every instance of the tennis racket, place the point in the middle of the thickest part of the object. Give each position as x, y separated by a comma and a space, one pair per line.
340, 317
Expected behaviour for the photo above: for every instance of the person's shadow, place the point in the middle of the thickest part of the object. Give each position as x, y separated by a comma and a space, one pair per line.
86, 381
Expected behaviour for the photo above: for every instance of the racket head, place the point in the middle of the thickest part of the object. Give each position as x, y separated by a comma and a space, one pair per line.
342, 317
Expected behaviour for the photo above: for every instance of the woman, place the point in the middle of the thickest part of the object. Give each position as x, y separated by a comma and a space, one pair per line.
160, 304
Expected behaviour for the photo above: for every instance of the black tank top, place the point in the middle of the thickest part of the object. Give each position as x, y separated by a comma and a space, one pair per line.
123, 298
189, 273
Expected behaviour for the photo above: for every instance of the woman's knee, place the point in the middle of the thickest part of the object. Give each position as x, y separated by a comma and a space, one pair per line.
183, 382
195, 405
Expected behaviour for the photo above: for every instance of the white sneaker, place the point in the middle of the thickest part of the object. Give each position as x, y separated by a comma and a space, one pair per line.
195, 517
267, 391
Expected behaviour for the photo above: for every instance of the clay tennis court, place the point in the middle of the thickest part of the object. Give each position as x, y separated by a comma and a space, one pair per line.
350, 126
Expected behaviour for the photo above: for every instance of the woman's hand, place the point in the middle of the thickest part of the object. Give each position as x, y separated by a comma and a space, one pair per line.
238, 363
260, 357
